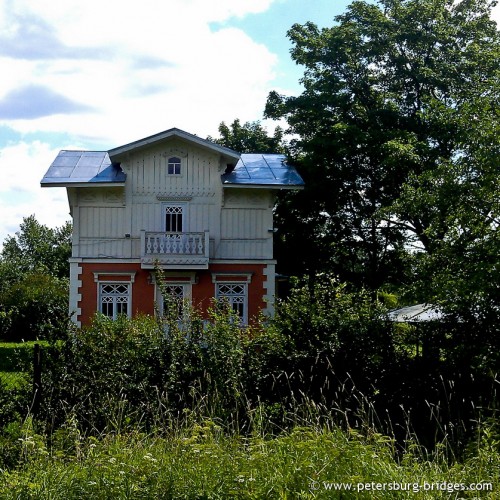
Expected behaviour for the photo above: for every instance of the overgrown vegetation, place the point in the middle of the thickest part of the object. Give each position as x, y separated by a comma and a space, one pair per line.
396, 136
202, 461
151, 407
34, 272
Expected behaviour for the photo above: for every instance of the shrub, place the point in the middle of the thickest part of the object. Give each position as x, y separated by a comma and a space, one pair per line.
33, 306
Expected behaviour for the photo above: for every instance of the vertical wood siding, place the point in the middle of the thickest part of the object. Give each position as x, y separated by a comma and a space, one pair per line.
238, 222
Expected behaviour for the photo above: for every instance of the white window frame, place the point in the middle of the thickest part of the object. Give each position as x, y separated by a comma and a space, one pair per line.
115, 303
186, 298
234, 298
174, 163
184, 210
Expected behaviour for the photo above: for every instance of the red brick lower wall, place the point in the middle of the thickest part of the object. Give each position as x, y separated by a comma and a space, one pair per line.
203, 291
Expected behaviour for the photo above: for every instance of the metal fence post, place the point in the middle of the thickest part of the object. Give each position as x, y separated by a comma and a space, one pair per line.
37, 378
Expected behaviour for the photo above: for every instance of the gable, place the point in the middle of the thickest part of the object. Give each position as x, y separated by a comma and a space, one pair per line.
116, 154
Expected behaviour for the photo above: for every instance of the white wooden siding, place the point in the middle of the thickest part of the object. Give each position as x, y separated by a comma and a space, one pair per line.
108, 222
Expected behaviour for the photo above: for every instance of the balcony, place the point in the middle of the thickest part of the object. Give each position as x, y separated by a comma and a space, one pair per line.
174, 250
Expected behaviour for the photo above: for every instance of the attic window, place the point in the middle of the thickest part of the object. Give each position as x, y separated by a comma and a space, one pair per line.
174, 166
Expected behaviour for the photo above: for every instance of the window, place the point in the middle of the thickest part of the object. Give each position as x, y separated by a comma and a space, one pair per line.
174, 303
235, 296
174, 166
174, 218
114, 299
177, 299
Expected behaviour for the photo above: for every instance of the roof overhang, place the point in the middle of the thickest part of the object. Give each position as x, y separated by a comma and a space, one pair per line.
263, 171
83, 169
261, 186
82, 184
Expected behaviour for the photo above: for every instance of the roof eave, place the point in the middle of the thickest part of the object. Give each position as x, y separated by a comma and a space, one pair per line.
263, 186
79, 184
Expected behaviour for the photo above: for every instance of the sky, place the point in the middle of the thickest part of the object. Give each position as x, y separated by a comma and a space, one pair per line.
97, 74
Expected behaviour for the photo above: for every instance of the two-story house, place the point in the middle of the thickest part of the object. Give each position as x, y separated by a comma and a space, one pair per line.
202, 212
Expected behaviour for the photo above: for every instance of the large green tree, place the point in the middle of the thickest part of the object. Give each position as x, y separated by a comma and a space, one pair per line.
383, 127
34, 272
251, 137
37, 247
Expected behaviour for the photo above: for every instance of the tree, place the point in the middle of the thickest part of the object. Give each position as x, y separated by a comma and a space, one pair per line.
37, 247
249, 138
34, 272
389, 92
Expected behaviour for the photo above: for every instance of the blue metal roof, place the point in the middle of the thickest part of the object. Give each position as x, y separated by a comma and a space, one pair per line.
263, 170
83, 167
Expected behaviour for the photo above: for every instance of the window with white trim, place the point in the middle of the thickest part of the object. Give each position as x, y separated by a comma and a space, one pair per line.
174, 218
114, 299
179, 298
235, 295
174, 166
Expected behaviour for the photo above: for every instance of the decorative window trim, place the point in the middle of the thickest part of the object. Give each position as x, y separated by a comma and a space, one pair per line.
234, 297
173, 199
231, 277
116, 309
130, 276
175, 277
175, 151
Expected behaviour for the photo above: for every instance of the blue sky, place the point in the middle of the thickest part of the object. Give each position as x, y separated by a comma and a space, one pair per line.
93, 74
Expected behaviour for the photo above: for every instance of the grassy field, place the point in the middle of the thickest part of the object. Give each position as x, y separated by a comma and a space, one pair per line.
203, 462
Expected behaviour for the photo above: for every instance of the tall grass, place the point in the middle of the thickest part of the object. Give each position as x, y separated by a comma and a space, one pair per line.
201, 460
150, 408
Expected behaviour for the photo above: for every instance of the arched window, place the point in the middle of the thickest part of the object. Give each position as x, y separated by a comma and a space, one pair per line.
174, 166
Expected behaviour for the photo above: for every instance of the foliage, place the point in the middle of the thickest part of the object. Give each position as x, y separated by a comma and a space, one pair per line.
145, 370
398, 97
35, 305
38, 248
250, 137
34, 271
200, 461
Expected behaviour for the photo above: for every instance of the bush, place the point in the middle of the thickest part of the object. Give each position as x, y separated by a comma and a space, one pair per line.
115, 373
33, 306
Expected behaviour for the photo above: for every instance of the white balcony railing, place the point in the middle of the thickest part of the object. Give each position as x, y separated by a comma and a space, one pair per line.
176, 249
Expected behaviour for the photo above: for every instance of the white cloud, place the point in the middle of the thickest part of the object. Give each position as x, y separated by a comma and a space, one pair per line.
21, 168
495, 14
125, 69
144, 66
135, 68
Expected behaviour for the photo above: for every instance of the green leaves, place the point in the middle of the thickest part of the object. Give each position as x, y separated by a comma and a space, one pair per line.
37, 247
398, 96
250, 137
34, 272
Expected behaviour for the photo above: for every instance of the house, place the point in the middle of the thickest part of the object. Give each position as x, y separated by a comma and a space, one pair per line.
202, 212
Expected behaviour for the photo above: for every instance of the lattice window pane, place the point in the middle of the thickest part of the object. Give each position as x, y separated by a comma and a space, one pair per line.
121, 308
107, 309
114, 299
235, 296
175, 299
173, 219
